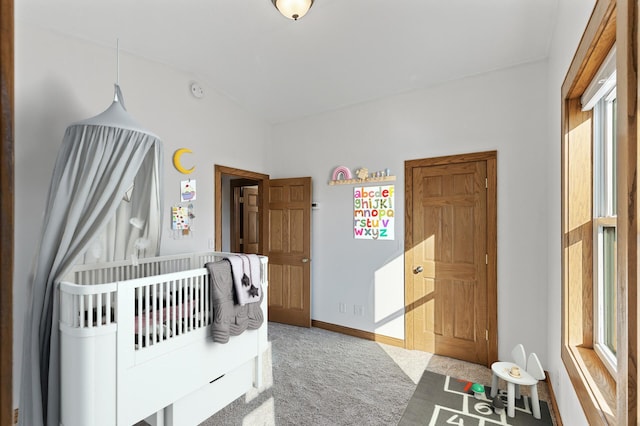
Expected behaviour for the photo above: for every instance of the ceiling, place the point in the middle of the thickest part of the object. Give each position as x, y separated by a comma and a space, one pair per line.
341, 53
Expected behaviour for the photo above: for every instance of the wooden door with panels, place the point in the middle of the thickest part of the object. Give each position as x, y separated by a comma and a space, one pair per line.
284, 234
289, 250
450, 256
245, 216
250, 220
225, 204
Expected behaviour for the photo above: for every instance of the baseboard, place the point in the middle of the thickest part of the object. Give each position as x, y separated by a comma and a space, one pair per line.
553, 401
392, 341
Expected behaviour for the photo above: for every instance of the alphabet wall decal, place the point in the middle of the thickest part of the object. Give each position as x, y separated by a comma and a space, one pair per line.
373, 212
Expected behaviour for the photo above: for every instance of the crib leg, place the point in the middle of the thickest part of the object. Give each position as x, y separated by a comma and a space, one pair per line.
257, 380
157, 419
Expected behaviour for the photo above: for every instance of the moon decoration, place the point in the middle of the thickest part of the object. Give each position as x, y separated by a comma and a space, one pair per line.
341, 173
178, 165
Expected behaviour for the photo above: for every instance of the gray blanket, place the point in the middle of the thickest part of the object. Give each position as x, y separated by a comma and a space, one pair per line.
230, 318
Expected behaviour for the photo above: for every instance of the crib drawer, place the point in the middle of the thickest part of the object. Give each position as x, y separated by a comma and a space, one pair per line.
208, 400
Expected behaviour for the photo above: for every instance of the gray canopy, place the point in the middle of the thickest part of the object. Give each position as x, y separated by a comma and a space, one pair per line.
106, 185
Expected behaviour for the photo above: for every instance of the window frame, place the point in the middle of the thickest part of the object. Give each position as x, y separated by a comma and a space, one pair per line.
605, 399
605, 354
604, 200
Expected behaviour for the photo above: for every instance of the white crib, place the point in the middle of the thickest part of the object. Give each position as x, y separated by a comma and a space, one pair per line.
135, 344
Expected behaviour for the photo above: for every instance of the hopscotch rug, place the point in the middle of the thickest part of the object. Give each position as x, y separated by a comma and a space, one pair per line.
444, 400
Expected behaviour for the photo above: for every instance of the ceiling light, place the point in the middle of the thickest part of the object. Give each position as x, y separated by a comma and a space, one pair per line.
293, 9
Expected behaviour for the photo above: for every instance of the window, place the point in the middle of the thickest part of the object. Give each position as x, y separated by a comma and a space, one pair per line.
600, 252
600, 97
590, 225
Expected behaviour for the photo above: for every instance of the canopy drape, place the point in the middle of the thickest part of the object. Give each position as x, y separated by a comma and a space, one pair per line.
99, 161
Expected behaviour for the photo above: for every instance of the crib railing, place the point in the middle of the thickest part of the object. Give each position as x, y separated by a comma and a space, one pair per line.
170, 296
170, 305
87, 306
101, 273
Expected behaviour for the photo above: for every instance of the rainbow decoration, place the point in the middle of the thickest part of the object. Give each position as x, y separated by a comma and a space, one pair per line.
342, 173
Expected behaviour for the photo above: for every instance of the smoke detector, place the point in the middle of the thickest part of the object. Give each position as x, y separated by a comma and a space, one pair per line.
197, 90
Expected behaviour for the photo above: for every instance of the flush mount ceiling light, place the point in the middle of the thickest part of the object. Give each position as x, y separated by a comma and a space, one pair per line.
293, 9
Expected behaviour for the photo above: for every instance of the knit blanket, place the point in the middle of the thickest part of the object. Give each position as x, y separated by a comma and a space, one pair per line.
245, 269
229, 317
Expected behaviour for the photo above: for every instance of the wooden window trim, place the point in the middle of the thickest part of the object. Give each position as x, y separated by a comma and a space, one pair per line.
605, 399
6, 208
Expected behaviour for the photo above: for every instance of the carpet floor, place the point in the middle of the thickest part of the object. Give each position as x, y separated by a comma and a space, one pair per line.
318, 377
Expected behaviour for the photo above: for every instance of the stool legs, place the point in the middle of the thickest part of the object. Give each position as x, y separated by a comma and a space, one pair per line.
494, 385
511, 403
513, 392
535, 404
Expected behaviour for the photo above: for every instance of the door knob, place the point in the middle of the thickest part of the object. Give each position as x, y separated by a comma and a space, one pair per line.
305, 260
418, 269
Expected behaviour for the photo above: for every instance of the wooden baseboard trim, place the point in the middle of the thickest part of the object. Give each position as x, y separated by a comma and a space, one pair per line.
392, 341
553, 401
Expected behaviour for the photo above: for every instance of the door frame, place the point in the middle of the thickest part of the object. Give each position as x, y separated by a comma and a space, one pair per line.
263, 186
492, 242
6, 212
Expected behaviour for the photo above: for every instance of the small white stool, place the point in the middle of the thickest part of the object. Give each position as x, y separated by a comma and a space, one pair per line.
501, 370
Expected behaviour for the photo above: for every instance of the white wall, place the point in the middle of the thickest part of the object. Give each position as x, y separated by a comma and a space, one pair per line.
59, 80
516, 112
503, 111
571, 20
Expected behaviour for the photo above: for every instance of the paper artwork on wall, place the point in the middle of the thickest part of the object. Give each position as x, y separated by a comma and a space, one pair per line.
179, 218
188, 190
373, 212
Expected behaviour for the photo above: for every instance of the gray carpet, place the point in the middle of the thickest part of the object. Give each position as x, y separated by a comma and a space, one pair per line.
317, 377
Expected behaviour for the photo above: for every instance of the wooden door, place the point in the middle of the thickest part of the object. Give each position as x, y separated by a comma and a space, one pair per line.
235, 236
245, 217
289, 251
447, 261
239, 178
250, 220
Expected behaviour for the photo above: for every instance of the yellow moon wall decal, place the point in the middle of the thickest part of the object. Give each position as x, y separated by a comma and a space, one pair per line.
176, 161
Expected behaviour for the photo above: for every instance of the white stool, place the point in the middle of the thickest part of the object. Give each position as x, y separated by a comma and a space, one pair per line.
529, 377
